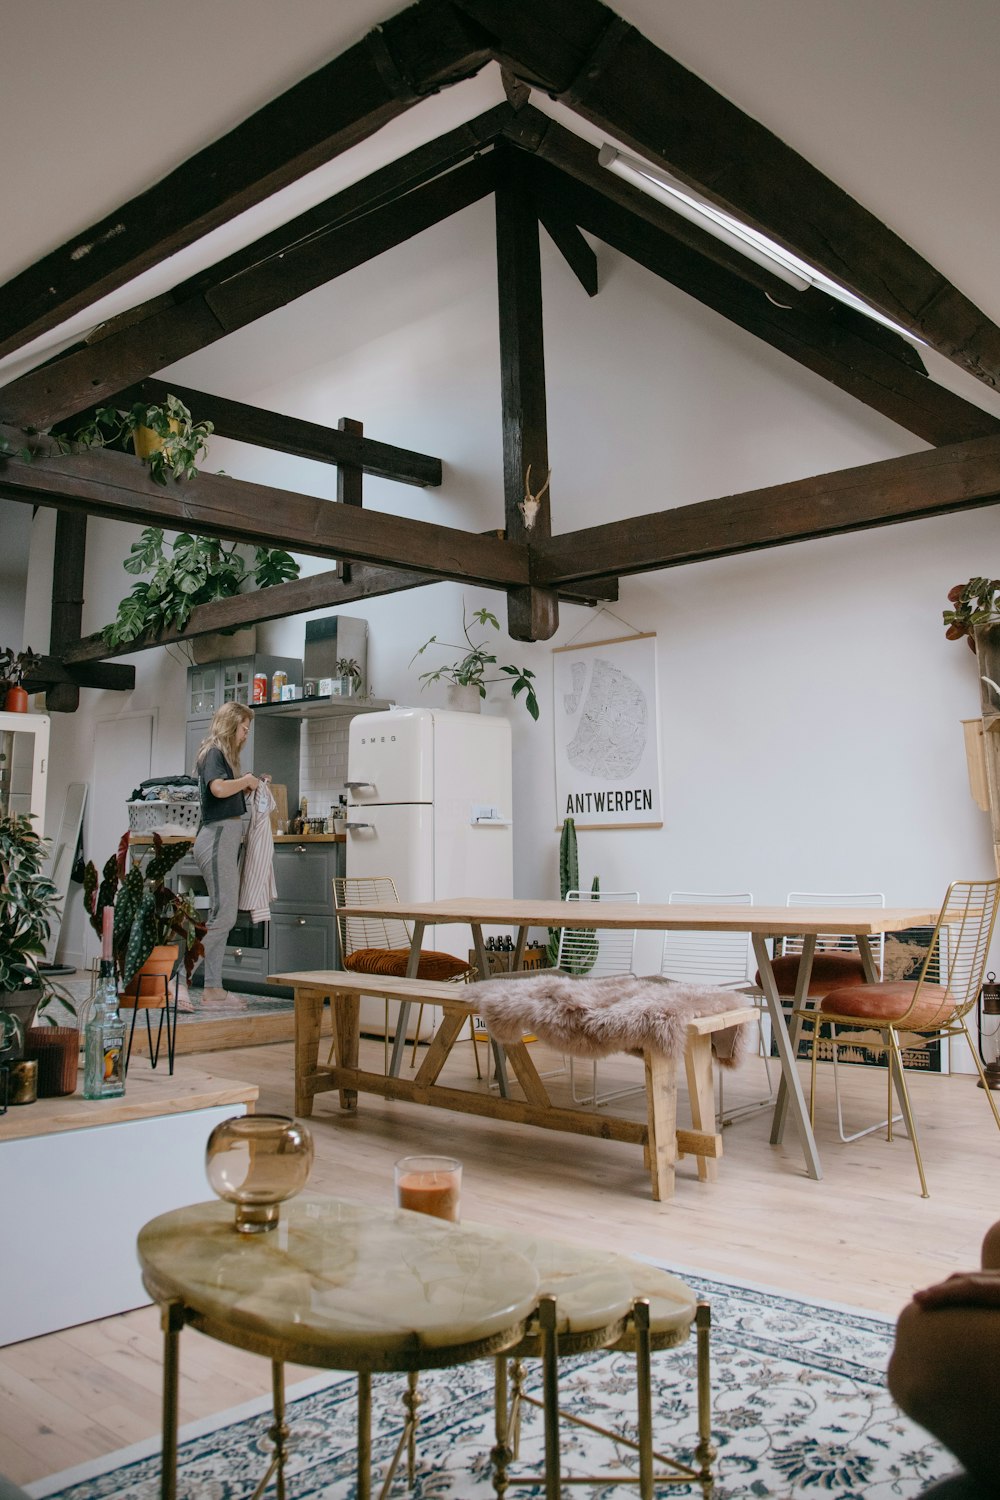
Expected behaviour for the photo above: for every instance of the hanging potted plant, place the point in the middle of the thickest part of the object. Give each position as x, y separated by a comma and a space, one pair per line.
15, 666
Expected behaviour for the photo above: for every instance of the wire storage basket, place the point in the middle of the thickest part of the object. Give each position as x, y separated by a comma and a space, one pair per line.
155, 815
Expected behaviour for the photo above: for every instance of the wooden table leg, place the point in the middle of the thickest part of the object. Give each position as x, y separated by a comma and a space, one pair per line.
700, 1070
308, 1024
661, 1115
364, 1475
347, 1030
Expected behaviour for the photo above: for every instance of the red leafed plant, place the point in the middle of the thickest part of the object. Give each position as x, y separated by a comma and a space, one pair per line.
974, 603
147, 911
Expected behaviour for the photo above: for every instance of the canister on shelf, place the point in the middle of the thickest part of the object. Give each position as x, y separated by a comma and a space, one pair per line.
260, 687
278, 681
309, 687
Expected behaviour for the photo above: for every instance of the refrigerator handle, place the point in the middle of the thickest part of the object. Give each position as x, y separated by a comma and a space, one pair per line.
352, 784
358, 825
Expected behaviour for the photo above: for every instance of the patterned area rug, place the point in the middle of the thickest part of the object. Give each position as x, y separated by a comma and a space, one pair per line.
799, 1410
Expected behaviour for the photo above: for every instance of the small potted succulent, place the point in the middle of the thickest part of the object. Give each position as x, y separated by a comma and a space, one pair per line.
149, 915
472, 667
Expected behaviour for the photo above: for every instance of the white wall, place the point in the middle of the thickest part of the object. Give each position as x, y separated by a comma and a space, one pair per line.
809, 702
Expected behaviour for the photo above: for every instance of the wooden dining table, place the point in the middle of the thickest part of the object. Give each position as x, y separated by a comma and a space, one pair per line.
761, 922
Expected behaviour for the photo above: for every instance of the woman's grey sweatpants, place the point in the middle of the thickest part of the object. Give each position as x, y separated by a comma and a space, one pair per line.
216, 853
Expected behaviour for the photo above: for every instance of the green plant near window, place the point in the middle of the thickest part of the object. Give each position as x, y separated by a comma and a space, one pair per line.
974, 603
195, 570
472, 667
173, 441
148, 912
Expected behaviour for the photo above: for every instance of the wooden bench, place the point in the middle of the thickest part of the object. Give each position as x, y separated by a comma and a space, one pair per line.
663, 1144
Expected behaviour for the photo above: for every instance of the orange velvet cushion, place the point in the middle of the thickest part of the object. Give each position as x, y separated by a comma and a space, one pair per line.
394, 961
829, 972
887, 1002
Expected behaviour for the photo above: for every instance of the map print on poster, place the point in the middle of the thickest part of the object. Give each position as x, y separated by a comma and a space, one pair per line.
607, 733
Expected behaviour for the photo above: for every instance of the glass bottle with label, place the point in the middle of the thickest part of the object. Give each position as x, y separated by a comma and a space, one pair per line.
104, 1033
104, 1040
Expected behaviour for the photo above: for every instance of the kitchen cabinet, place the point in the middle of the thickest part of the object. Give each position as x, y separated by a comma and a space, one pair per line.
302, 932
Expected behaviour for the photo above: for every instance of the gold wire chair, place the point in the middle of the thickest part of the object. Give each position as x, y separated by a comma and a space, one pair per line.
376, 944
932, 1006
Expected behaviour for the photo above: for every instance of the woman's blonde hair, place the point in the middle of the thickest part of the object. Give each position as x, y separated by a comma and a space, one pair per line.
222, 734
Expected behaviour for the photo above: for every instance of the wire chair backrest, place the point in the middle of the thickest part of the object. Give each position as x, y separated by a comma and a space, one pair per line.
358, 932
956, 958
837, 942
721, 958
593, 951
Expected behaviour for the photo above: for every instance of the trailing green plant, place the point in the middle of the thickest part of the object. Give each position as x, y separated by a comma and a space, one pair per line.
974, 603
29, 905
179, 440
148, 912
472, 668
586, 946
195, 570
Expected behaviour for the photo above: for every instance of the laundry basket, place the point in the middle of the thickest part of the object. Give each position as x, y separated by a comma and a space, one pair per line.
154, 816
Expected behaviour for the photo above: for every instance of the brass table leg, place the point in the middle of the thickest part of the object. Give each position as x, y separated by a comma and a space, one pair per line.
550, 1393
706, 1450
364, 1490
644, 1395
171, 1321
500, 1455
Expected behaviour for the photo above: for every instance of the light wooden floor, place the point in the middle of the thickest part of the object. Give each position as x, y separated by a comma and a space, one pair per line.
862, 1236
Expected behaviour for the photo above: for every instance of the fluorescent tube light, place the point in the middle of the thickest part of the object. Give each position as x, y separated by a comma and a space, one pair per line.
737, 235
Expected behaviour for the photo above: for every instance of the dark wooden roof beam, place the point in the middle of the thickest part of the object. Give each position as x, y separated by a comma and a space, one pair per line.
115, 485
285, 434
95, 373
958, 477
397, 64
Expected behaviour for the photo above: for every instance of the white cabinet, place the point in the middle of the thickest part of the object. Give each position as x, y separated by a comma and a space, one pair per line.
24, 764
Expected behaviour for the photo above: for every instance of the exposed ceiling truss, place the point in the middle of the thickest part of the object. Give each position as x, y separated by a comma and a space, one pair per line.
584, 55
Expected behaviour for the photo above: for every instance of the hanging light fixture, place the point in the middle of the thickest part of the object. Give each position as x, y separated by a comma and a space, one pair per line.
757, 247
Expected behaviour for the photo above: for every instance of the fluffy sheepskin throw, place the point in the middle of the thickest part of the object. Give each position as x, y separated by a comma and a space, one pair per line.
596, 1017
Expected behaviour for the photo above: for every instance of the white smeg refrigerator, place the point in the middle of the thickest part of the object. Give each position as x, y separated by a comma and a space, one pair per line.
429, 803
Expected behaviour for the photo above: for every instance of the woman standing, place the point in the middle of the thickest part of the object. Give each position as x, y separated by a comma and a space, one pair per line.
217, 846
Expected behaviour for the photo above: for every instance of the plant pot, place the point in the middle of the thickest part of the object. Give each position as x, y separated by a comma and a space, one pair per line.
151, 988
16, 701
145, 441
56, 1049
464, 698
22, 1004
219, 647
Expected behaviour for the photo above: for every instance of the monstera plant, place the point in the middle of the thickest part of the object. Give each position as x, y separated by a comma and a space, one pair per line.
148, 913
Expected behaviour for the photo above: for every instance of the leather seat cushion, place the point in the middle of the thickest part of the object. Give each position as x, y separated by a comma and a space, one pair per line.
887, 1002
394, 961
829, 972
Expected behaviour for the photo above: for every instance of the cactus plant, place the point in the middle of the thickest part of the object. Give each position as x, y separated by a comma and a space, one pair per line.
569, 880
147, 912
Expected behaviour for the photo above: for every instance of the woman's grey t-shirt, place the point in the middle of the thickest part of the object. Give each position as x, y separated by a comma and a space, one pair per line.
213, 767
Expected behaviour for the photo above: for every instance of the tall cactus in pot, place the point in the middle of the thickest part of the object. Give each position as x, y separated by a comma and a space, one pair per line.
569, 880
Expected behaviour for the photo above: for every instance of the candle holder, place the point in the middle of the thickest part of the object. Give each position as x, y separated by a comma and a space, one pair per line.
257, 1162
429, 1185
